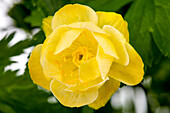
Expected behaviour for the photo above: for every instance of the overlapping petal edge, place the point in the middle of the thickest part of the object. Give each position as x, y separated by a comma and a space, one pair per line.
85, 56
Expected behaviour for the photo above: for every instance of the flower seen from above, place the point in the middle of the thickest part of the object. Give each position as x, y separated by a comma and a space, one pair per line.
85, 56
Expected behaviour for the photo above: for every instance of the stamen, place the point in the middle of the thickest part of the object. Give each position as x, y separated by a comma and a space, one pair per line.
80, 57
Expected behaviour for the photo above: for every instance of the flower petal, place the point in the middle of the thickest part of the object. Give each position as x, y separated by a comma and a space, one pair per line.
88, 86
72, 14
104, 62
115, 20
35, 69
86, 39
71, 99
60, 35
54, 64
119, 42
67, 39
46, 25
51, 42
87, 25
131, 74
48, 47
106, 44
89, 70
105, 92
60, 68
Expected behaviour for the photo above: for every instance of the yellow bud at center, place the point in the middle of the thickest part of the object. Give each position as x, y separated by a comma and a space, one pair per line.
81, 55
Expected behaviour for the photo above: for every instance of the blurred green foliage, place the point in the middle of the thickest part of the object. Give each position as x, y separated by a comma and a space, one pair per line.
148, 25
149, 29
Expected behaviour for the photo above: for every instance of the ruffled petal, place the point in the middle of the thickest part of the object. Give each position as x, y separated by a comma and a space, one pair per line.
106, 44
46, 25
71, 99
87, 25
119, 42
59, 46
51, 42
67, 39
105, 92
115, 20
85, 39
59, 65
60, 35
88, 86
35, 69
104, 62
72, 14
61, 68
131, 74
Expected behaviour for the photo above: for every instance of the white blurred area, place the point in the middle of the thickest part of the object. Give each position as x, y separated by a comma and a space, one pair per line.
52, 100
7, 27
164, 109
130, 100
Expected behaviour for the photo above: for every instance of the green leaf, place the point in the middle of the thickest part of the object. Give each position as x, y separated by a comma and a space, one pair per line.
41, 9
87, 109
49, 7
19, 94
143, 19
104, 5
38, 38
159, 89
161, 30
9, 51
18, 13
4, 55
35, 18
160, 76
140, 17
6, 108
106, 109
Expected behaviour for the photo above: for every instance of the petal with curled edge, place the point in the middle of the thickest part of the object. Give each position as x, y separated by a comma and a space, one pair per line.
72, 14
87, 25
104, 62
131, 74
88, 86
106, 44
67, 39
115, 20
87, 40
35, 69
52, 43
105, 92
119, 42
71, 99
89, 70
46, 25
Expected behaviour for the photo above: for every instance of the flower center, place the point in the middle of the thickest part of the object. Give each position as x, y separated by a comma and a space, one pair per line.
81, 55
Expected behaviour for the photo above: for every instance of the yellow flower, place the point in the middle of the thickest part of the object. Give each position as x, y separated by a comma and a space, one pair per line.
85, 56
